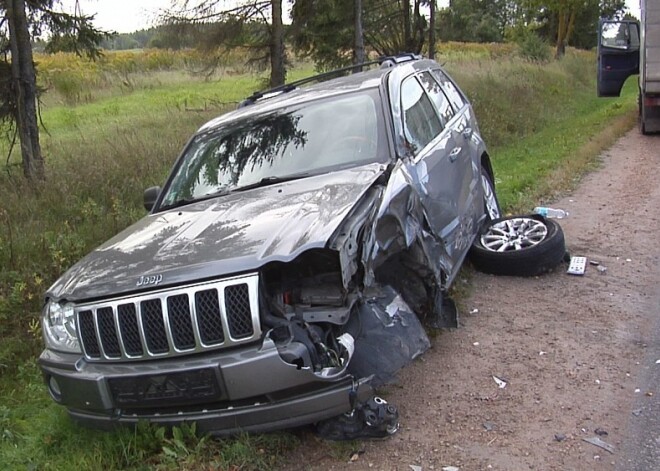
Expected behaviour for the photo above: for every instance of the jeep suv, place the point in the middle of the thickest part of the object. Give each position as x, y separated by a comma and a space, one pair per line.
286, 266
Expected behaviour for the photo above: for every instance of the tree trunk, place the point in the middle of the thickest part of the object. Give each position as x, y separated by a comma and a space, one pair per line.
24, 84
570, 27
277, 72
418, 31
562, 28
432, 29
358, 47
407, 36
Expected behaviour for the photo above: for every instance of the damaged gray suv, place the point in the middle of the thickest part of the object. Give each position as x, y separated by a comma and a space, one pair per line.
287, 265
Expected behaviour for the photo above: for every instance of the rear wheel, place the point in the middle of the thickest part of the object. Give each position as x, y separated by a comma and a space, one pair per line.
490, 197
519, 246
643, 115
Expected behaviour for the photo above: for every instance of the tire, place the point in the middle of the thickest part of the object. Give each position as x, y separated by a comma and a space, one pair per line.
526, 245
491, 203
642, 120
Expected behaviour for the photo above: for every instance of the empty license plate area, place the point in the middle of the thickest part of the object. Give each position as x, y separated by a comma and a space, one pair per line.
167, 389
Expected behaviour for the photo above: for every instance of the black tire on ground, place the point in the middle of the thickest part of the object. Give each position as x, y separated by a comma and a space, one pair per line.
526, 261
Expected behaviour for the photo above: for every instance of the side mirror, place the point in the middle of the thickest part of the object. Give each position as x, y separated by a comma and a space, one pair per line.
150, 197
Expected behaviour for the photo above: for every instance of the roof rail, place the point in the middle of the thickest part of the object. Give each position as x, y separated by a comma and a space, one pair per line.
383, 61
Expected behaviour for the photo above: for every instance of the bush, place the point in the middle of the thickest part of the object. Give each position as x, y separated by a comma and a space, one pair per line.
533, 48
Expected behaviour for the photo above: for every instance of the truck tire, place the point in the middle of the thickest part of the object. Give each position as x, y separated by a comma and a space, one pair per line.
528, 245
643, 116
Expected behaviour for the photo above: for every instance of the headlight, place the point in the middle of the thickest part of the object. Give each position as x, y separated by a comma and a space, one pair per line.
59, 325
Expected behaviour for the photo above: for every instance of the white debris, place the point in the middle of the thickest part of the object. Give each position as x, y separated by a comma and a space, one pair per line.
450, 468
500, 382
414, 467
476, 344
397, 304
474, 311
637, 390
542, 353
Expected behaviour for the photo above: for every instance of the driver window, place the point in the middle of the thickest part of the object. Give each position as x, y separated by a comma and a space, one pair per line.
619, 35
420, 122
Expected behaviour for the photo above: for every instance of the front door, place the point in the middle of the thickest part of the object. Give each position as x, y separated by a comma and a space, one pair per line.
618, 55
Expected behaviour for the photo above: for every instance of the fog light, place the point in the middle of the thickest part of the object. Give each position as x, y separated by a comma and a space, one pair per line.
54, 389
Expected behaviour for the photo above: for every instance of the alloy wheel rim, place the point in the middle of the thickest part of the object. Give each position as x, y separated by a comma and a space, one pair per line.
514, 234
489, 197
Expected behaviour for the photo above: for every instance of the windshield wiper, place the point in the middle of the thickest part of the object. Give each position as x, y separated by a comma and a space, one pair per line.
185, 201
266, 181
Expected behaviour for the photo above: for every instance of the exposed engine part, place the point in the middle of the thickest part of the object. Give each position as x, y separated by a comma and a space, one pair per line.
310, 346
374, 418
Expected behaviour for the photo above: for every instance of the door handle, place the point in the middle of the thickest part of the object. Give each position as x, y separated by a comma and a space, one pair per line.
467, 133
455, 152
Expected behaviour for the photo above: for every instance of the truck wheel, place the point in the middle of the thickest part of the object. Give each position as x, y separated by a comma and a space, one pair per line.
518, 246
642, 118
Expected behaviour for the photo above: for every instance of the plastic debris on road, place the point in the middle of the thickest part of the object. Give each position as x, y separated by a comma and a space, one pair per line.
599, 443
500, 382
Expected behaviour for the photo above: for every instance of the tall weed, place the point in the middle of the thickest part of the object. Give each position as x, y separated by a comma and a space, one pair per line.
534, 48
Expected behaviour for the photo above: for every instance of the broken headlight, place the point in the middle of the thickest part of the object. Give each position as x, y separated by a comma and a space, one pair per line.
59, 326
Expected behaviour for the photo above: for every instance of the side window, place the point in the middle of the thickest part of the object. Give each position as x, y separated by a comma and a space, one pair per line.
420, 121
438, 97
455, 97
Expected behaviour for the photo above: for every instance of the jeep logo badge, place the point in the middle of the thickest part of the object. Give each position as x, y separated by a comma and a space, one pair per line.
149, 280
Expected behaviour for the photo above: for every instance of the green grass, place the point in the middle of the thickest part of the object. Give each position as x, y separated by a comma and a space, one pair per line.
526, 171
543, 124
35, 435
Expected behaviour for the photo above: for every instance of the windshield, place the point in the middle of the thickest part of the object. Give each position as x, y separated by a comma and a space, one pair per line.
306, 139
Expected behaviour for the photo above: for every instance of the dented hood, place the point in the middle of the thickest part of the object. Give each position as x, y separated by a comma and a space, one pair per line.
235, 233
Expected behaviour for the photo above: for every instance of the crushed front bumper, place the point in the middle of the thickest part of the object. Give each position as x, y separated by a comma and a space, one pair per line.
226, 392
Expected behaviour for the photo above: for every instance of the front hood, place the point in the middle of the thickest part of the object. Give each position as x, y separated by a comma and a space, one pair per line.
221, 236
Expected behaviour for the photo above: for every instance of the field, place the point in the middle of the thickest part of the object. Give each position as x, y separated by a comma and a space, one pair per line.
114, 127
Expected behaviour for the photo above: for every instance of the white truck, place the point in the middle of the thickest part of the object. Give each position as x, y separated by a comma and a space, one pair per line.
629, 47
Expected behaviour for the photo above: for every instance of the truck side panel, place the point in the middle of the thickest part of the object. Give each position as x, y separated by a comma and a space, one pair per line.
651, 60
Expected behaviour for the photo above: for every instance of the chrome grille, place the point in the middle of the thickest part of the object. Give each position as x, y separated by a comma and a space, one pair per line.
171, 322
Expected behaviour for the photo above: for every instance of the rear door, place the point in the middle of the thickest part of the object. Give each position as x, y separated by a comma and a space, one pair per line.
430, 124
618, 55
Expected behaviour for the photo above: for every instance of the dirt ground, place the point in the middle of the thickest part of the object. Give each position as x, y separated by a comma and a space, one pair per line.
572, 350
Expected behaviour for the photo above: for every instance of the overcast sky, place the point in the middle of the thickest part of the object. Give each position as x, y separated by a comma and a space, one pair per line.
126, 16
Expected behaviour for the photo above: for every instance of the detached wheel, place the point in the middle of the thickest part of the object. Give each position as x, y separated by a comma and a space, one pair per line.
518, 246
